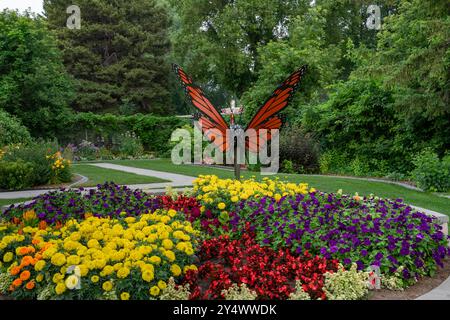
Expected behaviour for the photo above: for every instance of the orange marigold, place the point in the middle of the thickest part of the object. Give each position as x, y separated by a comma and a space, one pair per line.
25, 275
17, 283
42, 225
15, 271
30, 285
26, 261
35, 241
23, 251
29, 215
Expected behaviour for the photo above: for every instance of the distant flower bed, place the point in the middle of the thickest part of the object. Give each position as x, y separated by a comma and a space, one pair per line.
107, 200
225, 240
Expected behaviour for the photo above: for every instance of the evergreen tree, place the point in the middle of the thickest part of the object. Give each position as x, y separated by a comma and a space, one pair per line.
118, 56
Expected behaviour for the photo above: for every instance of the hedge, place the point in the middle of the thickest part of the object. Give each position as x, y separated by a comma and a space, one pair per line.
153, 131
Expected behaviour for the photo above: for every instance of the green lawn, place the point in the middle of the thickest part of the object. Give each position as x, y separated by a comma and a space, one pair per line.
6, 202
98, 175
324, 183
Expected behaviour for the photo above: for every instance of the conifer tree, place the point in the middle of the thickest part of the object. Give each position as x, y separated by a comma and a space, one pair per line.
118, 56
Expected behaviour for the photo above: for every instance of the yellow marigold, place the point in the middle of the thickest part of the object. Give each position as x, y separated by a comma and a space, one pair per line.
39, 277
107, 286
73, 260
7, 257
58, 277
154, 291
58, 259
167, 244
148, 275
123, 273
95, 279
155, 260
60, 288
181, 246
93, 243
234, 199
179, 234
172, 213
39, 265
170, 255
125, 296
83, 270
221, 206
162, 285
175, 269
189, 251
107, 270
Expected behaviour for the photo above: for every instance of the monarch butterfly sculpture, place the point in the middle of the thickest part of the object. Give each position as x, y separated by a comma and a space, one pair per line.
266, 117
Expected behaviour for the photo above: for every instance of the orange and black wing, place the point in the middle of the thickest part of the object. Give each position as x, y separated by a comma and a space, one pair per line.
266, 117
212, 122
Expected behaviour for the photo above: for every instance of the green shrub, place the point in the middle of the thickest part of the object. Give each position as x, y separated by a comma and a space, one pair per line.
332, 161
154, 132
105, 154
16, 175
130, 145
11, 130
42, 155
430, 173
87, 150
301, 149
287, 166
359, 167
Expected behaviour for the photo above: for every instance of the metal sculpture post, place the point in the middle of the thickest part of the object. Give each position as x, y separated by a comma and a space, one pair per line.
232, 111
237, 166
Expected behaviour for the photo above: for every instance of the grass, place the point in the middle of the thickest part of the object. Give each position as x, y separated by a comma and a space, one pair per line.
98, 175
7, 202
323, 183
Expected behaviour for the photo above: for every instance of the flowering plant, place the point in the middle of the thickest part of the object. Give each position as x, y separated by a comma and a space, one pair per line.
270, 274
130, 258
107, 200
365, 231
60, 167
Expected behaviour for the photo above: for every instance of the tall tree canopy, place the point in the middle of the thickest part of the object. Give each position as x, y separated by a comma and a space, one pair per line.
218, 40
119, 56
34, 85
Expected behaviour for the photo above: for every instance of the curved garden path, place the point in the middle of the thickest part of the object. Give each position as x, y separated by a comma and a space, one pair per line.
175, 181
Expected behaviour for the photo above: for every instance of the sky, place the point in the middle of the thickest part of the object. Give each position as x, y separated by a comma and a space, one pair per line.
35, 5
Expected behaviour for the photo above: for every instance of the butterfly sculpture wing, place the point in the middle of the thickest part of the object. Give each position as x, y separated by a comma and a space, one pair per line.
212, 123
266, 117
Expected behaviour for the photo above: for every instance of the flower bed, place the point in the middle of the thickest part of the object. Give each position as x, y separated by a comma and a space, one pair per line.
107, 200
129, 258
270, 274
229, 239
368, 232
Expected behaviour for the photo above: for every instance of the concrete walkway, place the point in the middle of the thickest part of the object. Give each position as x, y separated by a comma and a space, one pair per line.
442, 292
175, 181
